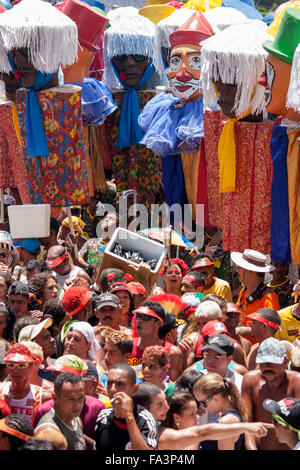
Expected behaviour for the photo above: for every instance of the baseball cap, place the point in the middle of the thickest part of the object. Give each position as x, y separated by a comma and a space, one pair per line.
213, 328
18, 288
107, 299
69, 363
268, 316
91, 371
220, 343
285, 412
271, 350
30, 244
30, 332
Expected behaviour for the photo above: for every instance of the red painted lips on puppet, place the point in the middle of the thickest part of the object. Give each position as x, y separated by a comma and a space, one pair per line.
185, 59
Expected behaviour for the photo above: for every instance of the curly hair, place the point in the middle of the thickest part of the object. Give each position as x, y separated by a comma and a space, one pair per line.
156, 353
38, 282
19, 348
73, 297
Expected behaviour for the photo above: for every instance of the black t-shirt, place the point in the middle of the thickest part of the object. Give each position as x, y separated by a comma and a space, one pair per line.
112, 434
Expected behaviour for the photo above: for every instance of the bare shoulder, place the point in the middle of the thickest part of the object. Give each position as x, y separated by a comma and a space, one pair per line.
252, 377
175, 351
229, 418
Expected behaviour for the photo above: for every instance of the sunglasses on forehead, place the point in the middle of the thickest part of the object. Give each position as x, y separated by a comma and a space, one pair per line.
137, 57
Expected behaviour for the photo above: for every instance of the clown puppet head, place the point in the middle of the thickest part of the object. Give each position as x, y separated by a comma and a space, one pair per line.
185, 58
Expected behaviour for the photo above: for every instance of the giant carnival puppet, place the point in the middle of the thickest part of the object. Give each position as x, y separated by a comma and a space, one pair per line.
35, 39
173, 121
283, 99
12, 167
238, 161
96, 99
130, 75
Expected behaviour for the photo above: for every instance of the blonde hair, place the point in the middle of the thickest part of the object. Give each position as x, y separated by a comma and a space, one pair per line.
103, 330
213, 384
53, 435
208, 310
34, 348
116, 337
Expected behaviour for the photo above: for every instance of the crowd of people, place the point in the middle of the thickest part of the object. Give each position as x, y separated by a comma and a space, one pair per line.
92, 359
191, 105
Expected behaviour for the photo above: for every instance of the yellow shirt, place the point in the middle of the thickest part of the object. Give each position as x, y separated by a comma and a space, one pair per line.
290, 326
221, 288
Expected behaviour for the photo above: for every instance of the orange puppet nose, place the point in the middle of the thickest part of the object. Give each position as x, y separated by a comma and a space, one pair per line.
183, 75
262, 79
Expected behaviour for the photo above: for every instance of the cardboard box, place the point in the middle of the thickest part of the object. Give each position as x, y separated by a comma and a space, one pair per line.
149, 249
29, 221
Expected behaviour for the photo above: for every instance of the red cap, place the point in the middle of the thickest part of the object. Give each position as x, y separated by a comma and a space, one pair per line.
213, 328
90, 23
233, 309
193, 31
75, 298
137, 288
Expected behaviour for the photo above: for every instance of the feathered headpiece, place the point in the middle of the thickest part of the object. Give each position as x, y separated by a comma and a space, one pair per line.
50, 36
236, 56
171, 303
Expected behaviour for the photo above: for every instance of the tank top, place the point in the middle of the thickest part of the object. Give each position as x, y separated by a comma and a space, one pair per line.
136, 355
25, 407
74, 436
213, 445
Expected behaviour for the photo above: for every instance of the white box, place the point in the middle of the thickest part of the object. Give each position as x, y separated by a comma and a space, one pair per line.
149, 249
29, 221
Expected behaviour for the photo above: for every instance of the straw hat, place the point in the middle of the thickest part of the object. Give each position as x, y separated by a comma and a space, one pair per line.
252, 260
6, 244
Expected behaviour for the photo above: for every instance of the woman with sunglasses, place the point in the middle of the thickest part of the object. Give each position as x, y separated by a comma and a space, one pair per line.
220, 395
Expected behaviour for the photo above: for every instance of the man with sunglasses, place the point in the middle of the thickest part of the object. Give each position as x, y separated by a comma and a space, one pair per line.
149, 319
22, 397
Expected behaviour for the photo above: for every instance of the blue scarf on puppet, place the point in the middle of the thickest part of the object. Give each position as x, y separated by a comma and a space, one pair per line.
171, 130
129, 129
35, 132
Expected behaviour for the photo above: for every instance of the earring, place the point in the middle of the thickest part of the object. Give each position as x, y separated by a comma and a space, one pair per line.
177, 424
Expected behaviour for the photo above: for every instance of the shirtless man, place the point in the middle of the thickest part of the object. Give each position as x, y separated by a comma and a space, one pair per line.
272, 381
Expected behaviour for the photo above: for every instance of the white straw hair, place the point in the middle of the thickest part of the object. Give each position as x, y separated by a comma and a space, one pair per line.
164, 28
223, 17
208, 310
123, 11
50, 36
236, 56
293, 96
126, 35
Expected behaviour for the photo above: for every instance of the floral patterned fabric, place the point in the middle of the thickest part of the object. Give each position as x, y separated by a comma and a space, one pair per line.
244, 216
135, 167
93, 250
60, 179
12, 168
